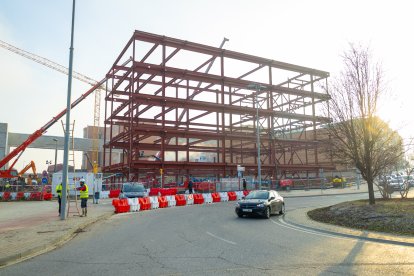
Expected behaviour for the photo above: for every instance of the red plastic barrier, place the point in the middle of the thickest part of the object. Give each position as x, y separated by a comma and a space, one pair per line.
47, 196
6, 196
36, 196
114, 193
20, 196
145, 203
232, 196
173, 191
198, 199
163, 203
115, 202
154, 191
216, 197
122, 206
246, 192
180, 200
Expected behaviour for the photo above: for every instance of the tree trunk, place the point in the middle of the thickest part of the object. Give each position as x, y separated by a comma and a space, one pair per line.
371, 195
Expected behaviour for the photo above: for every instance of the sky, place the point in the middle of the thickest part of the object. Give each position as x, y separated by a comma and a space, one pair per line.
307, 33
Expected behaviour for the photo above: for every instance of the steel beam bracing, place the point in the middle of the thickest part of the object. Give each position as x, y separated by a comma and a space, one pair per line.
199, 116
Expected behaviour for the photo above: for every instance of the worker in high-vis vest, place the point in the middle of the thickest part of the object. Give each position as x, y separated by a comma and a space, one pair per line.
59, 194
84, 194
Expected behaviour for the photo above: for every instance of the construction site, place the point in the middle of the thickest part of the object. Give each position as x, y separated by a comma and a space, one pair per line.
176, 109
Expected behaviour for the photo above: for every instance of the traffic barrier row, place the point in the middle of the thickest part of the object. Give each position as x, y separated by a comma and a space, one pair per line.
7, 196
155, 202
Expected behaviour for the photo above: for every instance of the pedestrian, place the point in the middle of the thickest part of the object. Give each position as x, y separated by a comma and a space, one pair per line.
84, 194
244, 184
190, 186
59, 194
95, 192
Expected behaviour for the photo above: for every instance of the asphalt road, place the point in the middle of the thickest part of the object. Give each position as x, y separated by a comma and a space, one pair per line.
211, 240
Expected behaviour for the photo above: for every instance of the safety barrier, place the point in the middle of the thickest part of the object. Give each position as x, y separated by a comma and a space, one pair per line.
189, 198
104, 194
232, 196
207, 198
5, 196
47, 196
134, 204
180, 200
144, 203
239, 195
36, 196
154, 192
114, 193
163, 203
122, 206
171, 201
198, 199
246, 192
20, 196
224, 196
216, 197
154, 202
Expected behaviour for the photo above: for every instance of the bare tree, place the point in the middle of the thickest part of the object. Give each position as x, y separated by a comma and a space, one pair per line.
359, 137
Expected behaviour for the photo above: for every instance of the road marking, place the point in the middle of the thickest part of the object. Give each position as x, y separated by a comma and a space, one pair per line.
343, 236
217, 237
282, 223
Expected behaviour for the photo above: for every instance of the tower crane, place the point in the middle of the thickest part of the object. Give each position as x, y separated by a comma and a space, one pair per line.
60, 68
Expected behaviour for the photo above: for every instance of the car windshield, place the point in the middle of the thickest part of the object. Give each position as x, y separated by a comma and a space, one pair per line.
258, 195
134, 188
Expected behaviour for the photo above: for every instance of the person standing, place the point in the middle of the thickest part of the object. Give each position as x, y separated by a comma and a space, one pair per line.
190, 186
96, 191
59, 194
84, 194
244, 184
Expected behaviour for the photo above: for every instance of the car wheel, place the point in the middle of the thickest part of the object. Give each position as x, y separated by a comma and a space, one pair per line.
282, 210
239, 215
267, 212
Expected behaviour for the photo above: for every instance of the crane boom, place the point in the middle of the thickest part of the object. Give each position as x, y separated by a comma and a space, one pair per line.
47, 62
19, 150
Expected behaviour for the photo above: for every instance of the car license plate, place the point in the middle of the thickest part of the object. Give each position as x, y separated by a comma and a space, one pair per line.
247, 210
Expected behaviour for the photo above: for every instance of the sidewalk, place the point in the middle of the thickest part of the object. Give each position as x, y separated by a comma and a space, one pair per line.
326, 192
29, 228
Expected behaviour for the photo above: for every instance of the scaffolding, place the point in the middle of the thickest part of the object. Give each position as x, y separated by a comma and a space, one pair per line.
165, 116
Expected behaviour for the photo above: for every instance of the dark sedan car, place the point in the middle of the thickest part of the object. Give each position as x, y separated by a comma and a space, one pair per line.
264, 203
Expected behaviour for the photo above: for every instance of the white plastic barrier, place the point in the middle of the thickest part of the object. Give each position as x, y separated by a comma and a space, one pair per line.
208, 198
189, 199
239, 195
13, 196
104, 194
154, 202
133, 204
224, 196
171, 201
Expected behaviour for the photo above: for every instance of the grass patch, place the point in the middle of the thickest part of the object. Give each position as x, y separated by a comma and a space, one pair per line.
394, 216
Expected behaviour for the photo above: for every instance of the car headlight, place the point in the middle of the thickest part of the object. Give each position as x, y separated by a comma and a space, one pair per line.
261, 205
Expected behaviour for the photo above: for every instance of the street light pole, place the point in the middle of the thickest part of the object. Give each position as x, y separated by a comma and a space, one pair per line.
56, 140
258, 88
66, 148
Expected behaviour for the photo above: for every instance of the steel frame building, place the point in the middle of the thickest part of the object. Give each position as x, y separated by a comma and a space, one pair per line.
177, 108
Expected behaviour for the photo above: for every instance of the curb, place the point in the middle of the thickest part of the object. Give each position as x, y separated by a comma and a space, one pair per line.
38, 250
293, 196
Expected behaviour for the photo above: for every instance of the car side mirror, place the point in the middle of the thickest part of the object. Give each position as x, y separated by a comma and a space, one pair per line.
272, 198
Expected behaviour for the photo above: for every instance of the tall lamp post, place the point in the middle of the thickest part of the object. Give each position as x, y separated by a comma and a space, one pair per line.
56, 140
66, 147
258, 87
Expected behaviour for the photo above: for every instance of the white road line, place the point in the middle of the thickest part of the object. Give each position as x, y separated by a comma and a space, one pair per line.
214, 236
284, 224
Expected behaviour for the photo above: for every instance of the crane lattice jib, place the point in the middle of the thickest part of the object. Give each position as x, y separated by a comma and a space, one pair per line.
43, 129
